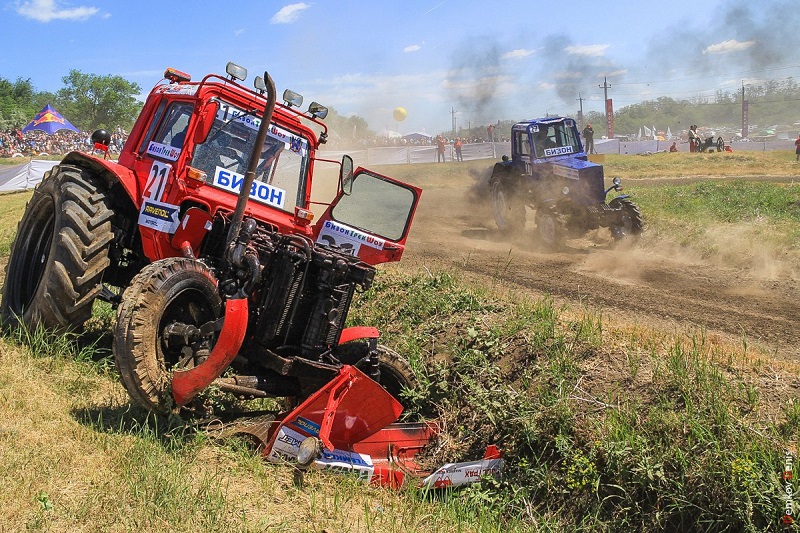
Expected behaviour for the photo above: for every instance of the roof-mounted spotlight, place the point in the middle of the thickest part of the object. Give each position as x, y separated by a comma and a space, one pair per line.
317, 110
291, 98
235, 71
260, 85
176, 76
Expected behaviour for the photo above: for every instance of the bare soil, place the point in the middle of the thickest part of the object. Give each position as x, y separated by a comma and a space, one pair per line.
654, 283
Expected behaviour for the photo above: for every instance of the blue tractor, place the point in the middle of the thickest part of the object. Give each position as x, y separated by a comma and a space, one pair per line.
550, 174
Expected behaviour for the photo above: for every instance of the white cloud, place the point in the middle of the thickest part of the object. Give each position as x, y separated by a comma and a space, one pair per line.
289, 13
412, 48
593, 50
728, 46
517, 54
238, 32
47, 10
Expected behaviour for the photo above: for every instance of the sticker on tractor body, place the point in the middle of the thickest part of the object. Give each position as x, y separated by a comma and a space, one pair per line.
154, 213
561, 150
566, 172
348, 239
458, 474
164, 151
287, 444
260, 192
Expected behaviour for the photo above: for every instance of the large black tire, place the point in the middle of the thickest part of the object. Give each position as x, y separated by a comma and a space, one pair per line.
396, 372
507, 207
60, 252
550, 230
167, 291
631, 225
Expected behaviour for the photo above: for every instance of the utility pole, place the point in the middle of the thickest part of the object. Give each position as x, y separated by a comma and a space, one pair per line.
745, 113
609, 110
580, 112
453, 115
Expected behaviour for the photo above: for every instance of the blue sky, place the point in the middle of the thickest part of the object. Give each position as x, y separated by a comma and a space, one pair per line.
484, 60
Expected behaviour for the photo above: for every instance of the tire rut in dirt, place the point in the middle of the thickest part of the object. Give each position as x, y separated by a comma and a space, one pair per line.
60, 252
169, 290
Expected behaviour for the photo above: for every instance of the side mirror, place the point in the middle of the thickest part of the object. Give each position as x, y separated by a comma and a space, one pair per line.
206, 121
318, 110
346, 176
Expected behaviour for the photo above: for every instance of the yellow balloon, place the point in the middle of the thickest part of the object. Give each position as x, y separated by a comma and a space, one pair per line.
399, 114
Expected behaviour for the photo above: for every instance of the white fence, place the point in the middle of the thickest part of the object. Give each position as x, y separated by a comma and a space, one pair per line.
394, 155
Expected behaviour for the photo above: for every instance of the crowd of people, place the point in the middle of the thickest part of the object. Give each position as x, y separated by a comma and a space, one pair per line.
14, 142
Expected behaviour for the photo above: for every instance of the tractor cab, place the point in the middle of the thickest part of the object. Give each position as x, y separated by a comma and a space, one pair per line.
188, 155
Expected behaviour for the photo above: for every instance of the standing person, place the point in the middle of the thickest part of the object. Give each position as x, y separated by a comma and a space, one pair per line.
693, 138
458, 144
440, 144
797, 148
490, 132
588, 134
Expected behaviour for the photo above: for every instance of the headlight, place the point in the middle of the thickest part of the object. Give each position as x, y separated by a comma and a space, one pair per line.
310, 449
616, 182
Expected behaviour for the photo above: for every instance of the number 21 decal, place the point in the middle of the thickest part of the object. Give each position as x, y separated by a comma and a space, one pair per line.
156, 181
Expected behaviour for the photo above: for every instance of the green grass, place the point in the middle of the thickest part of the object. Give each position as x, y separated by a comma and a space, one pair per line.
603, 430
717, 218
693, 453
684, 164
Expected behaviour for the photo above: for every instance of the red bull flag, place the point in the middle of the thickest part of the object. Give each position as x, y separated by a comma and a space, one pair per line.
49, 120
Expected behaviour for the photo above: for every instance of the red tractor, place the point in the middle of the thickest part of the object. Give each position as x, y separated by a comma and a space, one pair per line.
202, 236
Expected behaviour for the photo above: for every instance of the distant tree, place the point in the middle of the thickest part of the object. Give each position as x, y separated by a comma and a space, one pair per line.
90, 101
19, 102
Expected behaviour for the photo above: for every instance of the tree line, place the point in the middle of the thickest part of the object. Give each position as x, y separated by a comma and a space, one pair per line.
88, 101
92, 101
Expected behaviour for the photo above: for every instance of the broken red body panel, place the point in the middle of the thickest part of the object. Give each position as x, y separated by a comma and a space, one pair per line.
356, 420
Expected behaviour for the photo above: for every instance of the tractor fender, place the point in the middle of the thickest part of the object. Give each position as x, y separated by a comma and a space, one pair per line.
187, 383
110, 171
357, 333
615, 202
503, 172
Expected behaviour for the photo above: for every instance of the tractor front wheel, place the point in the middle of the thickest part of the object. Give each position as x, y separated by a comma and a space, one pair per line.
396, 372
157, 329
630, 223
549, 228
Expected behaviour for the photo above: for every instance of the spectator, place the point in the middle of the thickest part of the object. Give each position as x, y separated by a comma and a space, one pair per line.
458, 145
440, 144
797, 148
694, 138
674, 147
588, 134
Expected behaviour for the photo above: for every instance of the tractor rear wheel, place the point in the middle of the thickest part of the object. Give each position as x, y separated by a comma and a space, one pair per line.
507, 207
630, 223
60, 252
172, 293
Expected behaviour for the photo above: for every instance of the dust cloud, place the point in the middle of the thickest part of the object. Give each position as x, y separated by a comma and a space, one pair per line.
730, 280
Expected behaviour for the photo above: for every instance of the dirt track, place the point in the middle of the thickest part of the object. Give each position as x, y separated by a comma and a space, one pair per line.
653, 284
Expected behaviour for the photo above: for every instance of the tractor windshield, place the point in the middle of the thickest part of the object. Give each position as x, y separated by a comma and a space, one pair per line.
559, 138
282, 166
